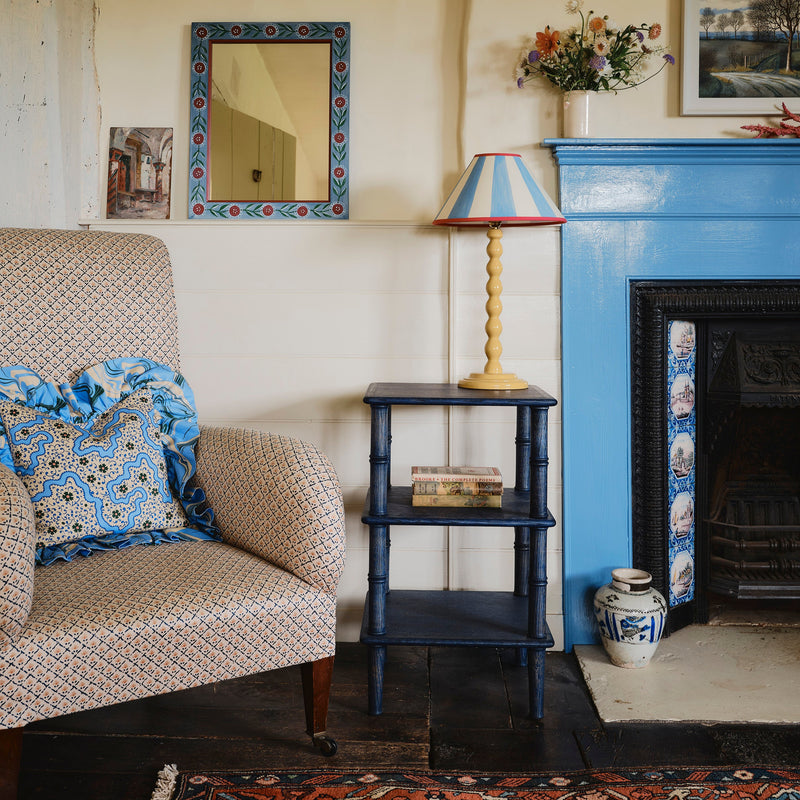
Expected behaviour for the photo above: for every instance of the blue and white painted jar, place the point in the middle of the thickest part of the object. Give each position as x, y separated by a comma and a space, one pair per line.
630, 615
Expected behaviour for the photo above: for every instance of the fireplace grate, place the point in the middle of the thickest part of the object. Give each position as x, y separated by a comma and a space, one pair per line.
755, 540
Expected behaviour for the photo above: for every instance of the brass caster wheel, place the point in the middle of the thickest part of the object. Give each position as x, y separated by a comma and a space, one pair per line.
327, 746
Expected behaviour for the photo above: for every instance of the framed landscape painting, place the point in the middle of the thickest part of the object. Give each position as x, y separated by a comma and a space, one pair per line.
740, 56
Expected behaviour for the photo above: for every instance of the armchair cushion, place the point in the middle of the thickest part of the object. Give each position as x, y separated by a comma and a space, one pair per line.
149, 620
94, 461
106, 477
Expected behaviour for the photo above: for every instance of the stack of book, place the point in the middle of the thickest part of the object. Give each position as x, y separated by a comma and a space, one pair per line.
479, 487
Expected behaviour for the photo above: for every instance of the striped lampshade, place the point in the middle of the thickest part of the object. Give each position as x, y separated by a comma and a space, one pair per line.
497, 187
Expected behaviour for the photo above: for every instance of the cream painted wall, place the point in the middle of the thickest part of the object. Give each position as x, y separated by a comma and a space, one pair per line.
283, 325
49, 113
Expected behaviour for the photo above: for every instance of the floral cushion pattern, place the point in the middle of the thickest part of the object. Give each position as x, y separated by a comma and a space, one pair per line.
99, 457
109, 477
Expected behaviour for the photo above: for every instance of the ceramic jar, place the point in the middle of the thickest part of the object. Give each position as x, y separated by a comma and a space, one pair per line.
630, 615
577, 114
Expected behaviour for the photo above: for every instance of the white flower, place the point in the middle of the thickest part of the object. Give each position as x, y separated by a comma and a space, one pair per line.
601, 45
573, 6
636, 76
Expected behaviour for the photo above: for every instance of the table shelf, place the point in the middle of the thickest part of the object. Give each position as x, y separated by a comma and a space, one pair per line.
399, 511
456, 619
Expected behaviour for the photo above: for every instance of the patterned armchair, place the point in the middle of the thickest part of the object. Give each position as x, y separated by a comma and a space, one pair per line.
140, 621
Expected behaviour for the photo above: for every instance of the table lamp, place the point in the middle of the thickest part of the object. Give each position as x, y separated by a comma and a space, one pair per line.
496, 189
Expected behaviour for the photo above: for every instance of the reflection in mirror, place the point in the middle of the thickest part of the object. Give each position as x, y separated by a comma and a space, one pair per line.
269, 120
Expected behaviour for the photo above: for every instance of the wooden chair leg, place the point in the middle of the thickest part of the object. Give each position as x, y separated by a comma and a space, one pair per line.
317, 677
10, 756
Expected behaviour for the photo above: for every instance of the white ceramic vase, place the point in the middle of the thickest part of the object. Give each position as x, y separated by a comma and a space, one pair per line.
577, 114
630, 615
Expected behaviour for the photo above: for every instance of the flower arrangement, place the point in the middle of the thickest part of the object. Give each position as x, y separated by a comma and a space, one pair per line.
596, 56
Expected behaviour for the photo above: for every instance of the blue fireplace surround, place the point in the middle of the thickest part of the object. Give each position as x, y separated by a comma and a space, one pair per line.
654, 209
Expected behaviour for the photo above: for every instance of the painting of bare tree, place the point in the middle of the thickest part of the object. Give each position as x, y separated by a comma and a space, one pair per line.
742, 57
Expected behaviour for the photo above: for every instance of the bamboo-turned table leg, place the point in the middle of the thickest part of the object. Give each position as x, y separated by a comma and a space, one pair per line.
537, 583
378, 579
522, 535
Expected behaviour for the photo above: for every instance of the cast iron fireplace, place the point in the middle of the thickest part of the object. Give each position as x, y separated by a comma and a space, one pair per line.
733, 531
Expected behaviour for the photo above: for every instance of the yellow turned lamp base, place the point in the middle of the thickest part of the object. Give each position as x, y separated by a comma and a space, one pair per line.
493, 377
484, 380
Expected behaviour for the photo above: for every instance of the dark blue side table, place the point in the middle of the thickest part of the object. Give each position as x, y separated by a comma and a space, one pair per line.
473, 619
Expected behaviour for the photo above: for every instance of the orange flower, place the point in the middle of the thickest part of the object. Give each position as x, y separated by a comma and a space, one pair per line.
655, 31
597, 24
547, 42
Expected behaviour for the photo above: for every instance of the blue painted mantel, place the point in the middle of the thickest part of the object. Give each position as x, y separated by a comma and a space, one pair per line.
655, 209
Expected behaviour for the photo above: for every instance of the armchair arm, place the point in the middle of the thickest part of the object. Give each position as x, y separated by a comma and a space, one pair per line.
276, 497
17, 551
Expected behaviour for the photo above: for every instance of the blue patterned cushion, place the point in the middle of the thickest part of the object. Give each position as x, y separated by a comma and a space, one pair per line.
107, 460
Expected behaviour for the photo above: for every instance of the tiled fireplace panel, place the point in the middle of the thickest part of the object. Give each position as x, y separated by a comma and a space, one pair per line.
681, 449
650, 210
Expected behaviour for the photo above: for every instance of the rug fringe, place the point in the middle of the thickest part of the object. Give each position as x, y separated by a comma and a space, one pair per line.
165, 784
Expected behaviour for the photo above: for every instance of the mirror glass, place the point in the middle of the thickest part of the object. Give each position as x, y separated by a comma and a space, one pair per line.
269, 121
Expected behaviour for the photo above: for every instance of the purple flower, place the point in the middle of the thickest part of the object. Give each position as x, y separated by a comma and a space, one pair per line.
533, 56
520, 82
669, 58
639, 36
597, 62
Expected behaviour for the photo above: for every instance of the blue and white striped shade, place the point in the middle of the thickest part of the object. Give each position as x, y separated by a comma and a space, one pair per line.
497, 187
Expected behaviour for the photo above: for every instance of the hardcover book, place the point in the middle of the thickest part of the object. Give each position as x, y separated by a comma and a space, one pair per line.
456, 487
458, 500
481, 474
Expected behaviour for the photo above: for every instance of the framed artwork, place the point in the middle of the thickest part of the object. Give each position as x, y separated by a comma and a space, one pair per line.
739, 57
269, 120
139, 173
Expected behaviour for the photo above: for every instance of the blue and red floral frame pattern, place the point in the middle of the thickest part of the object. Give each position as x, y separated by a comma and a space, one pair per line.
203, 34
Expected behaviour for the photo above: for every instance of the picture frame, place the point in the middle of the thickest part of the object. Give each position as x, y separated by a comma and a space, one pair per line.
752, 84
139, 173
279, 161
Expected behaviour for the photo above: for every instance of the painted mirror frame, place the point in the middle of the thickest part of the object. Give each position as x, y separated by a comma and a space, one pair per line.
204, 35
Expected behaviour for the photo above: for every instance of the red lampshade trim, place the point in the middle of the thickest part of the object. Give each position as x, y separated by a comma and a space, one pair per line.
507, 222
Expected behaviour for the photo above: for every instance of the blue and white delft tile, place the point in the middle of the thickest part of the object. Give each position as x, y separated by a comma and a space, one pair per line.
681, 443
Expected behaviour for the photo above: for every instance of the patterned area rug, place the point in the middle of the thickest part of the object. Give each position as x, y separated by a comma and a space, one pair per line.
667, 784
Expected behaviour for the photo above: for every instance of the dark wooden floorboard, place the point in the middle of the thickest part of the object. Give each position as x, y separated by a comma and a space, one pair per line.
444, 708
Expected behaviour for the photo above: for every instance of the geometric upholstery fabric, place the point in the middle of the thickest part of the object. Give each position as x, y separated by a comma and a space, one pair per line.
16, 556
75, 298
289, 483
137, 622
